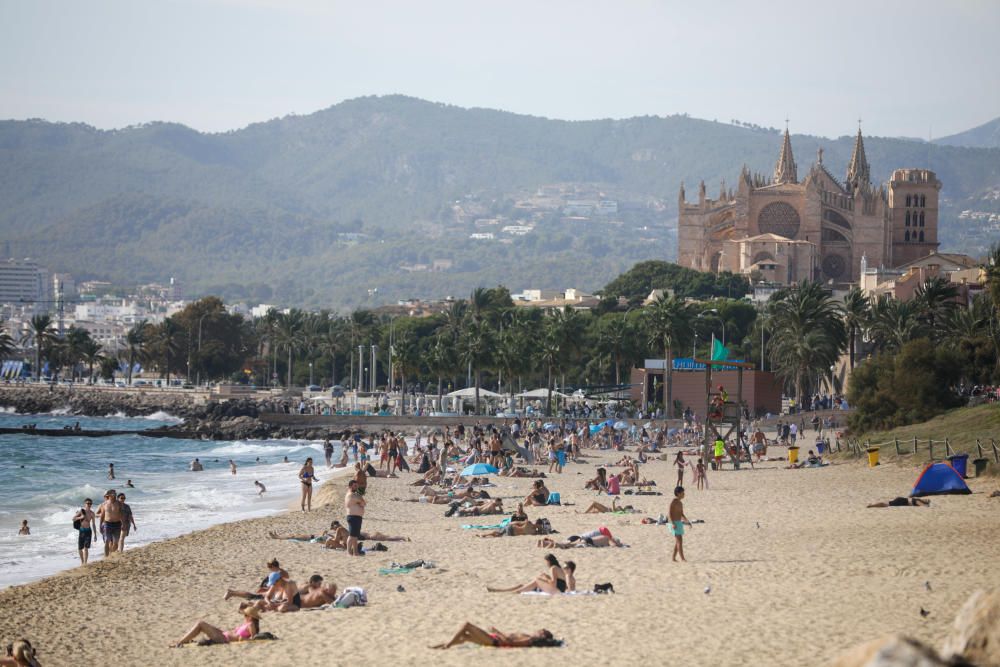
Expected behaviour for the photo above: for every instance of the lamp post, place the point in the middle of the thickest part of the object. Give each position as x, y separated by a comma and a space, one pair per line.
310, 373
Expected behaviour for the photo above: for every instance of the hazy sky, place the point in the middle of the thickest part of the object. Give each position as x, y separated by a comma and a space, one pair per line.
906, 67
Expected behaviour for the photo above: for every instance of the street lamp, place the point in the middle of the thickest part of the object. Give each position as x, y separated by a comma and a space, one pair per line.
721, 321
310, 373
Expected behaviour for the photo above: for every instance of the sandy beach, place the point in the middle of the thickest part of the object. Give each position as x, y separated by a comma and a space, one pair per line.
798, 571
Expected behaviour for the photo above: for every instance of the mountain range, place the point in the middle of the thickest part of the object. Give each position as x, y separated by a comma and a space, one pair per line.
383, 198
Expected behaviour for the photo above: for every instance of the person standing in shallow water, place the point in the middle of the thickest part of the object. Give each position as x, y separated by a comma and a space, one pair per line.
307, 475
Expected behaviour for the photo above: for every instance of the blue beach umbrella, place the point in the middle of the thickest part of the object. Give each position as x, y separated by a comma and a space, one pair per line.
621, 426
478, 469
551, 427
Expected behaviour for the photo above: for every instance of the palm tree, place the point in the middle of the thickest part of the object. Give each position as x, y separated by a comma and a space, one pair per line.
937, 299
668, 325
614, 335
75, 340
332, 343
167, 340
136, 340
894, 323
43, 334
550, 353
404, 359
476, 348
442, 360
288, 336
808, 335
91, 354
857, 309
7, 344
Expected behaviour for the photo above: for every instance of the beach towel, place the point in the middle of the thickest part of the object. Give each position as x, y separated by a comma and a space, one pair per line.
499, 526
566, 594
395, 570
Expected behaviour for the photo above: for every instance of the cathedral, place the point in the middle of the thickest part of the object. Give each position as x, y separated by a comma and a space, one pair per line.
784, 230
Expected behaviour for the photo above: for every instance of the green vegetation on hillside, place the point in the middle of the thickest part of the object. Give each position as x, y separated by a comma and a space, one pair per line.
316, 210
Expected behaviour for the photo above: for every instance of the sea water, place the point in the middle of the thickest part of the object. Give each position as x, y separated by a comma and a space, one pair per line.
45, 480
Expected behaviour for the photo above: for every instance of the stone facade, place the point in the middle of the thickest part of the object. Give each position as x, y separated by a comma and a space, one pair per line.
819, 228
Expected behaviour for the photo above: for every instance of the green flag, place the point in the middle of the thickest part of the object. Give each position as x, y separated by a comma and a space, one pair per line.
719, 351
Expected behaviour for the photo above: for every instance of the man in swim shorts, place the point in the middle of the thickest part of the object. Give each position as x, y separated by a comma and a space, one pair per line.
85, 539
677, 521
354, 504
110, 513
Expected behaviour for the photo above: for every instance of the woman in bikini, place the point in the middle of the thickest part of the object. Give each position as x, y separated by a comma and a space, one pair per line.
307, 475
551, 582
680, 463
248, 630
472, 634
539, 495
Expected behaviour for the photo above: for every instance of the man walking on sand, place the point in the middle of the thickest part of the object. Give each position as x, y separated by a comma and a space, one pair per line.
85, 517
354, 505
110, 513
677, 521
128, 521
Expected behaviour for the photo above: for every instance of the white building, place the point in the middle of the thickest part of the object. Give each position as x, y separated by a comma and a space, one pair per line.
23, 281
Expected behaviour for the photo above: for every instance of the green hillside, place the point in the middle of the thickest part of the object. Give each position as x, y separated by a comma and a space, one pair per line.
961, 427
317, 210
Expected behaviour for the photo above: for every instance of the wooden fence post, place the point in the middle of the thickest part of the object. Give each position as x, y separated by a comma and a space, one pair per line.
947, 448
895, 441
914, 444
930, 449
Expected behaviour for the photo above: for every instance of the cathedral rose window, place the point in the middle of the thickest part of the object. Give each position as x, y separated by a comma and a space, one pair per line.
834, 266
779, 218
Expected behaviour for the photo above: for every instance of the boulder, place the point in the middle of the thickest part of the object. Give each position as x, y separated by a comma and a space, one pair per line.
892, 651
975, 635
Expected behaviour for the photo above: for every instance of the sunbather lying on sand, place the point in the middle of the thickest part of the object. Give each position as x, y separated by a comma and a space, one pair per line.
316, 594
557, 580
521, 471
514, 528
598, 508
480, 508
472, 634
596, 538
899, 501
248, 630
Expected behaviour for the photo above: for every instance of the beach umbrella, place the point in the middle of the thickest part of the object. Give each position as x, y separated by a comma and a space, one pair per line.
479, 469
672, 431
620, 426
595, 428
551, 427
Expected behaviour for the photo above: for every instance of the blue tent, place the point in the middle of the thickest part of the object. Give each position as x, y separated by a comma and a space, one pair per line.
939, 478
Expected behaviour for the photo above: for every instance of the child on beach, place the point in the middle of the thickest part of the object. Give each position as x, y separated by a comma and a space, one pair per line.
677, 521
232, 466
24, 528
701, 481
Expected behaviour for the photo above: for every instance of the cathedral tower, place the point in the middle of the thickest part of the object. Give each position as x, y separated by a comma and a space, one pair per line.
785, 171
913, 214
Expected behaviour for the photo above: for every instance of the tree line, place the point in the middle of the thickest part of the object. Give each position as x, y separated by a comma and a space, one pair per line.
909, 359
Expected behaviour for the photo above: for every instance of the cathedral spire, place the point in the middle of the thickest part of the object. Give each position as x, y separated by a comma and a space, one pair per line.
858, 173
785, 171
